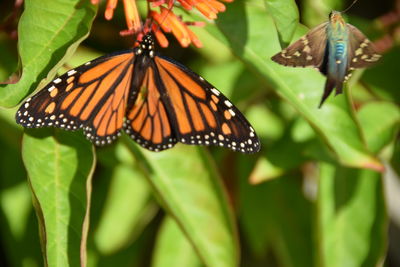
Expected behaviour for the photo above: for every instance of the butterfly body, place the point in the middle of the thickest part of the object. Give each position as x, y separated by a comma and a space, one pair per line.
335, 48
337, 45
155, 100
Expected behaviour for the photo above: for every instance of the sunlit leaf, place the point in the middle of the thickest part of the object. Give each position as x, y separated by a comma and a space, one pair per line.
352, 220
127, 205
286, 17
58, 26
59, 167
172, 247
188, 187
380, 122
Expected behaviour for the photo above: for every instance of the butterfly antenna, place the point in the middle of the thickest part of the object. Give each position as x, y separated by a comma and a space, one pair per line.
352, 4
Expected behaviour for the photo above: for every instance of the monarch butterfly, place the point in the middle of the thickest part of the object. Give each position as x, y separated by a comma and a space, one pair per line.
155, 100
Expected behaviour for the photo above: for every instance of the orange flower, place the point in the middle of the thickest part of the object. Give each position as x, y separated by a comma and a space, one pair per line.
166, 21
209, 8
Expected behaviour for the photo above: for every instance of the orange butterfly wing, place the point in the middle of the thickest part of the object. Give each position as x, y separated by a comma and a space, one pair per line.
93, 97
163, 103
177, 105
147, 121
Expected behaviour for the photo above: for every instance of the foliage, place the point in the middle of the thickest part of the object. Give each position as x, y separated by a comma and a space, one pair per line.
313, 196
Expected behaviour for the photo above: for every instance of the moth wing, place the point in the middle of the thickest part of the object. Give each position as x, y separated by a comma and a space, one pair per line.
308, 51
362, 52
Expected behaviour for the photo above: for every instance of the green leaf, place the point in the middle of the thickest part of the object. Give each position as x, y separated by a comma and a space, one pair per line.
58, 26
59, 168
286, 17
352, 217
187, 185
382, 78
276, 217
302, 88
380, 122
172, 247
395, 160
319, 10
127, 205
8, 62
17, 219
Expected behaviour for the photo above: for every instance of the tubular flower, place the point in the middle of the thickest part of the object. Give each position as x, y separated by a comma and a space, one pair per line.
209, 8
166, 20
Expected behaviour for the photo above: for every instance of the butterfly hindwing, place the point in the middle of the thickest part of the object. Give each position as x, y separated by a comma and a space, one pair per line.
92, 96
308, 51
147, 121
362, 53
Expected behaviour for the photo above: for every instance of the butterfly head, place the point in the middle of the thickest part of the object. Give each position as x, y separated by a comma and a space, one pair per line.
146, 46
335, 18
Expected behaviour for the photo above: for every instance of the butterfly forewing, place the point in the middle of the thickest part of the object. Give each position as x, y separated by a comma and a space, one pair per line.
93, 97
308, 51
362, 52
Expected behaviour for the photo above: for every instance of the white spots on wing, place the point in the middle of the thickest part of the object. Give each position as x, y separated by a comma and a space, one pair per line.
215, 91
359, 51
227, 103
26, 105
365, 43
297, 54
232, 112
71, 72
284, 54
373, 58
57, 81
309, 57
51, 88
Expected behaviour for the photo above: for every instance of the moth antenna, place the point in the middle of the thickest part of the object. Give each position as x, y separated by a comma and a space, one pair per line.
352, 4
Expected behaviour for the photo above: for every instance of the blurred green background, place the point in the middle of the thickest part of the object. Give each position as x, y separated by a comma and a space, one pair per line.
324, 190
